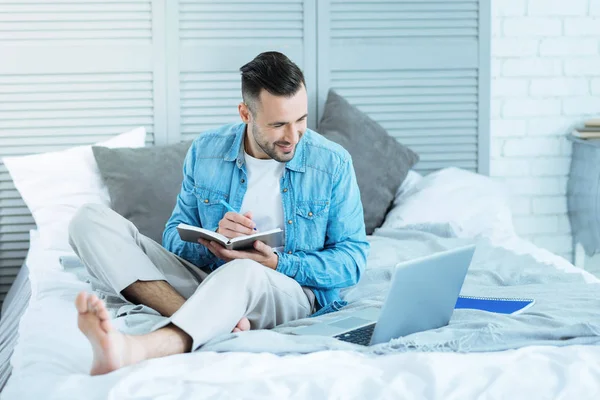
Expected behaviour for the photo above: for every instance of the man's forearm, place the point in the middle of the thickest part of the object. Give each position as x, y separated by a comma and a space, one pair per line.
336, 267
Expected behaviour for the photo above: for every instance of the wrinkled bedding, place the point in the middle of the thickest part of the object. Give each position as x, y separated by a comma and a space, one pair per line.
553, 343
565, 312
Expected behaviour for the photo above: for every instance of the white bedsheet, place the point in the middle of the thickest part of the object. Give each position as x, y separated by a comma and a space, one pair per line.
52, 360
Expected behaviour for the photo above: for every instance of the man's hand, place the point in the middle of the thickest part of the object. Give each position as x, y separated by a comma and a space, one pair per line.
262, 253
233, 225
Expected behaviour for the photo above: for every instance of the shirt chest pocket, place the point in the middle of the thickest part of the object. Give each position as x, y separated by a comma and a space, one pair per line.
311, 217
210, 209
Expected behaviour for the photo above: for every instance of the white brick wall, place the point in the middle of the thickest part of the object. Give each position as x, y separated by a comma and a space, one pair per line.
595, 7
545, 79
551, 87
596, 87
558, 8
582, 26
522, 27
527, 67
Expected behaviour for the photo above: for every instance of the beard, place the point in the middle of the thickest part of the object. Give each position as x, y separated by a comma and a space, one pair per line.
272, 149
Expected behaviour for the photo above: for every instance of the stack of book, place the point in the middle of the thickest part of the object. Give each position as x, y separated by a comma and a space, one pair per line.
589, 130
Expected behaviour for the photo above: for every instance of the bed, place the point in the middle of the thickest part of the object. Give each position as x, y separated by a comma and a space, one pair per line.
549, 352
561, 359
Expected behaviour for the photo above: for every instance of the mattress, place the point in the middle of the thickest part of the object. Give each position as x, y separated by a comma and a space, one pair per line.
13, 308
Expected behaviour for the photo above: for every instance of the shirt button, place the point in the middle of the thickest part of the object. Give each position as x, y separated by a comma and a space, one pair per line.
310, 214
289, 252
243, 180
289, 221
206, 200
284, 190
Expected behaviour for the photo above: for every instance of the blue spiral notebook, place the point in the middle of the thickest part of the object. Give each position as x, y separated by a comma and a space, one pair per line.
494, 304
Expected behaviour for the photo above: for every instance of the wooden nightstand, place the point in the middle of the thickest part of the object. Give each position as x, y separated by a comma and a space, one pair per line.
583, 201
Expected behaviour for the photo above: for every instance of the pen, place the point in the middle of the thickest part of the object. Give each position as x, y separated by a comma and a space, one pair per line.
226, 204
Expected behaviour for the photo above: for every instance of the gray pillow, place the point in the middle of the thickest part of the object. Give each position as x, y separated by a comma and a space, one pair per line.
381, 163
143, 183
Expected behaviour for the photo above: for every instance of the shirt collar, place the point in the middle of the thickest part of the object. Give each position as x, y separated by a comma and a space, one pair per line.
298, 163
236, 151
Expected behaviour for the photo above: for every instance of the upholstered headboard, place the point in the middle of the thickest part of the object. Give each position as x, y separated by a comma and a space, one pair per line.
78, 72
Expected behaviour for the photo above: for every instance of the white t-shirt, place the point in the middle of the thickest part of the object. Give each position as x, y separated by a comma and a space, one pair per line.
263, 195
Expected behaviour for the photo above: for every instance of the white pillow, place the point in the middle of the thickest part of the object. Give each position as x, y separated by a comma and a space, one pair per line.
408, 185
472, 204
55, 184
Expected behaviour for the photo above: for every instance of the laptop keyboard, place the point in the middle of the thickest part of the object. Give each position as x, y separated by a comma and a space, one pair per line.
358, 336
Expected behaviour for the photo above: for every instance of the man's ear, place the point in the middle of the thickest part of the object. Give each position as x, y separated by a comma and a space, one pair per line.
244, 112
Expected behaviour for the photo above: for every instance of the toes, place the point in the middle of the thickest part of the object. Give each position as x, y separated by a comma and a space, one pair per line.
81, 302
106, 325
102, 313
244, 324
93, 300
100, 306
90, 304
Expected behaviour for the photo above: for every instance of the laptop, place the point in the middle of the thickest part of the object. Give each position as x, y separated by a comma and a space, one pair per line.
422, 296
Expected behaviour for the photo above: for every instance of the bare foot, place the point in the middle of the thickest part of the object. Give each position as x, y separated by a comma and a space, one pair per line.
243, 325
112, 349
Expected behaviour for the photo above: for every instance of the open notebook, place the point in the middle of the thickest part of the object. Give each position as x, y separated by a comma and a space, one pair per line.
189, 233
494, 304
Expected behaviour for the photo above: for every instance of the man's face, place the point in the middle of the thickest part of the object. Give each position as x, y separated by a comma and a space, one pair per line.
277, 125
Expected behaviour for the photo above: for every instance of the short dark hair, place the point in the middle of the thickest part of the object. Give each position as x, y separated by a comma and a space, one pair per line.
272, 71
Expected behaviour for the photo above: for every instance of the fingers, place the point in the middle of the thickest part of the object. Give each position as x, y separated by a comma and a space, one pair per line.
228, 255
260, 253
236, 224
228, 233
222, 252
262, 248
218, 250
240, 219
212, 246
206, 244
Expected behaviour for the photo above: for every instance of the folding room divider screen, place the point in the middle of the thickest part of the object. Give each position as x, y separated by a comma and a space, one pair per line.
75, 72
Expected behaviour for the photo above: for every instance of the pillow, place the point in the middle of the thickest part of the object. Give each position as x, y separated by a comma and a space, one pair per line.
409, 184
143, 183
55, 184
474, 205
381, 163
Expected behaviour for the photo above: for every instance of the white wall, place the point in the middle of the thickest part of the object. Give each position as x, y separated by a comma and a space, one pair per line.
545, 78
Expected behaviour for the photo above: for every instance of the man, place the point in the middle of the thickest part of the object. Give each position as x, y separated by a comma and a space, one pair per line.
277, 173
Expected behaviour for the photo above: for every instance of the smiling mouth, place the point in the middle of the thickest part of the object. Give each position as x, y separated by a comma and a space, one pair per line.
286, 149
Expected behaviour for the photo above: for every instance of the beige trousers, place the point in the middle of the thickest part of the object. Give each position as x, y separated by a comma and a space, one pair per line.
115, 252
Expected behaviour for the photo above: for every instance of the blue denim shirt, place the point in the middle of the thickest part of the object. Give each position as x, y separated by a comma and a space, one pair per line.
325, 240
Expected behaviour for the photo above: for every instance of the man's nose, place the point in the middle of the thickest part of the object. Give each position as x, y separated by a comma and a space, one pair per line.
291, 134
